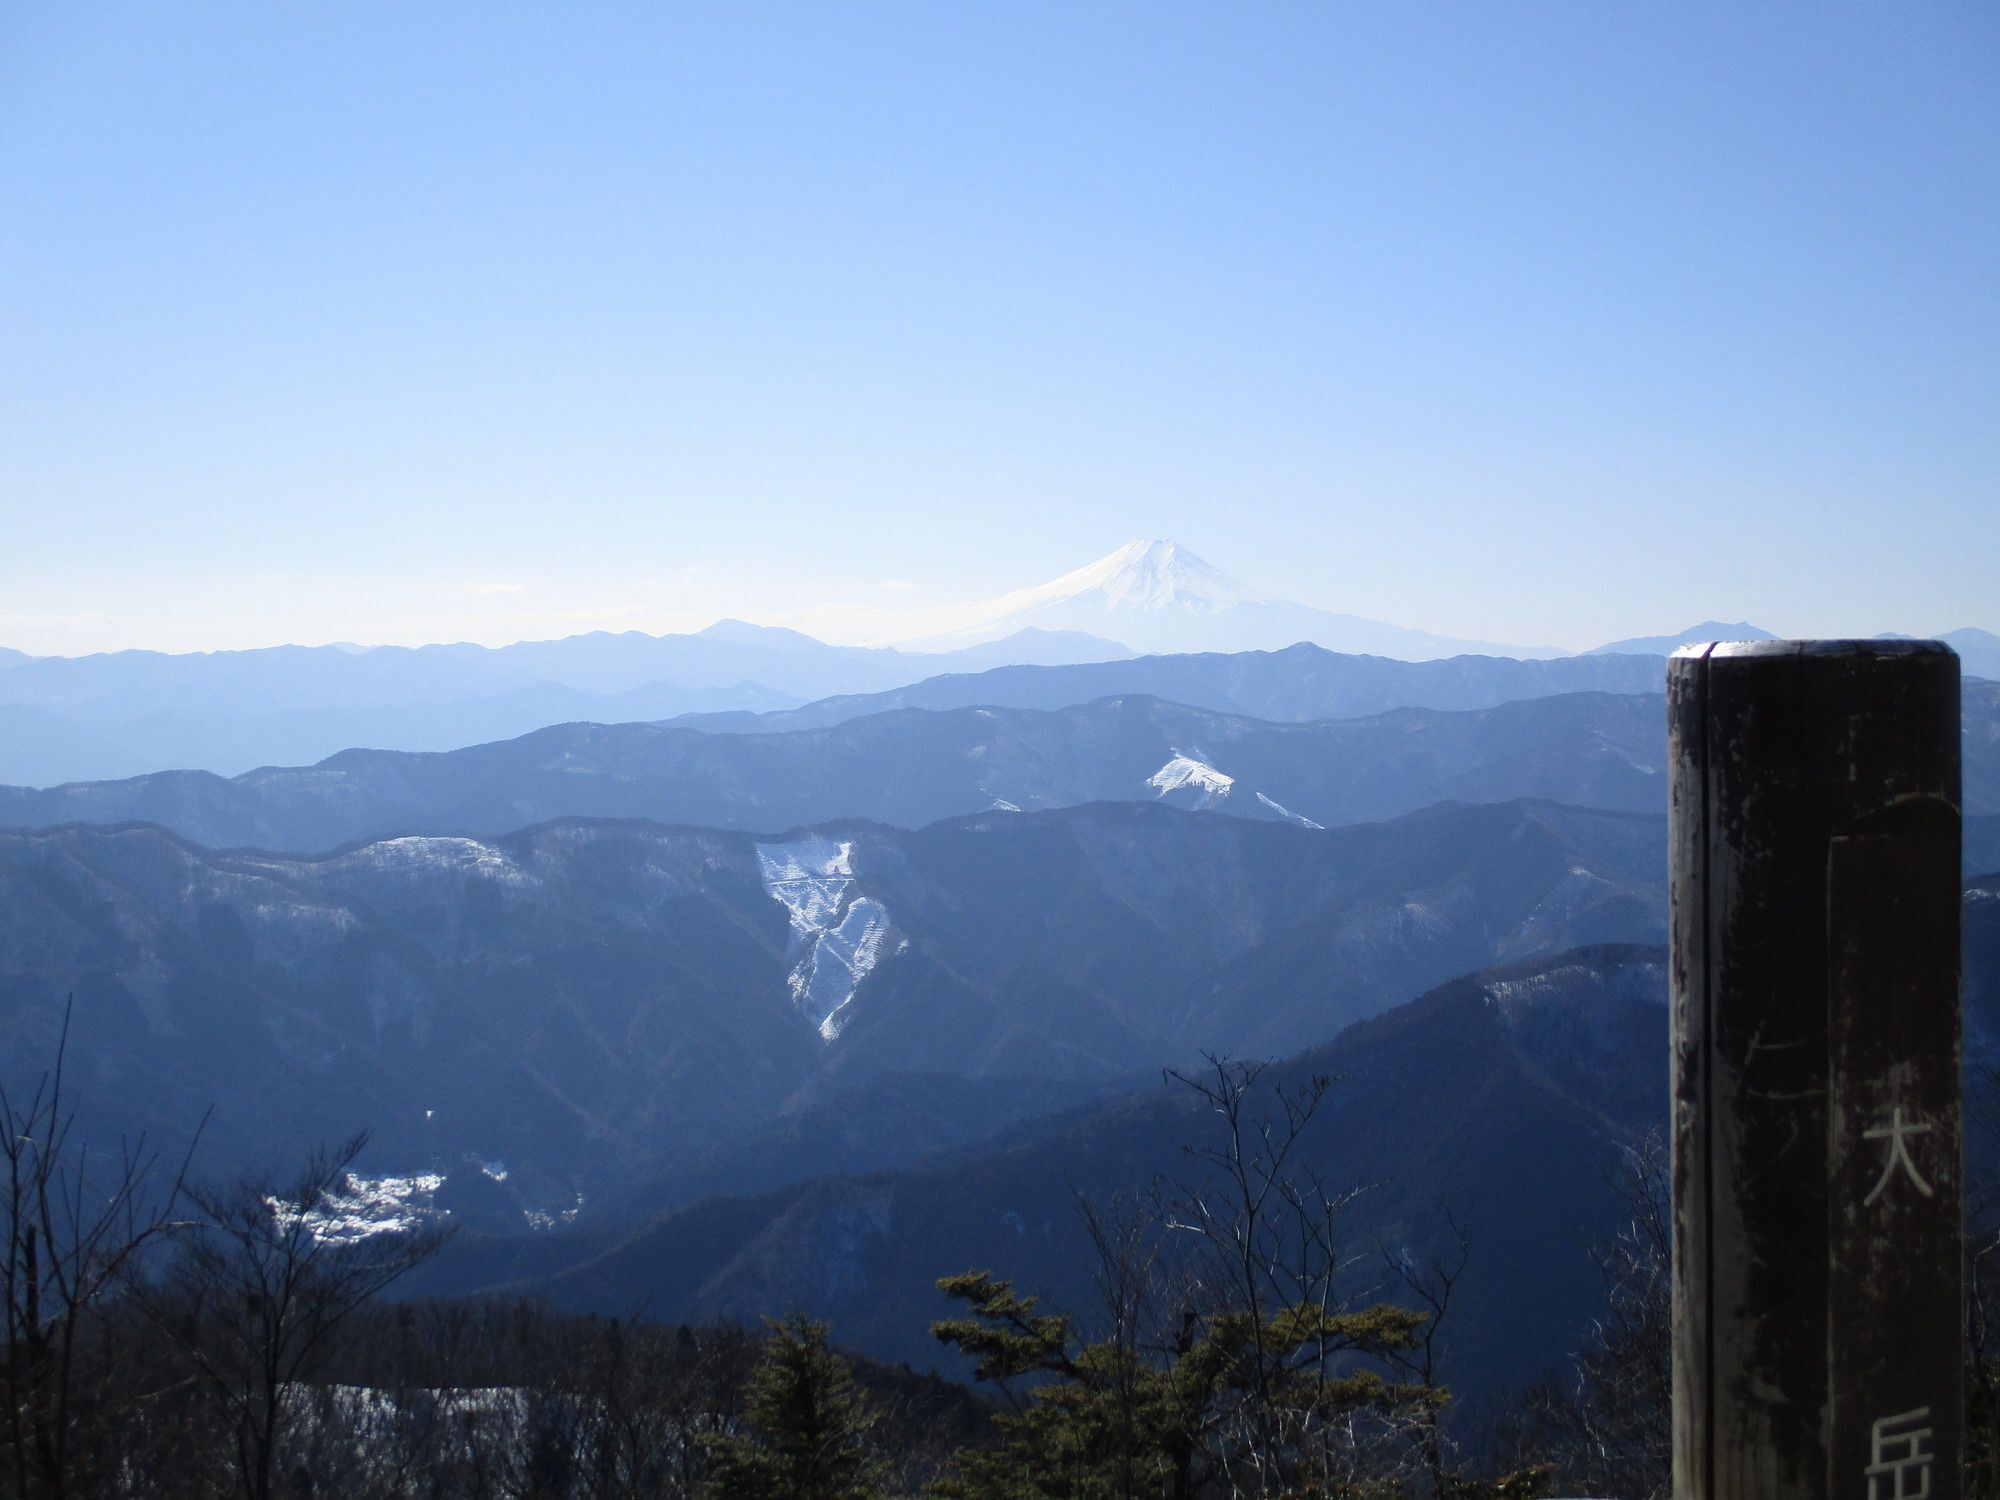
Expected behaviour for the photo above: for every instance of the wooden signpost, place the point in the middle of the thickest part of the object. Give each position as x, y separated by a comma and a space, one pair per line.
1816, 1089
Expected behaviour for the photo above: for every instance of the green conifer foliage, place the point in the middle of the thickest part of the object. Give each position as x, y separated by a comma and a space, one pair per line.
1230, 1359
805, 1437
1110, 1422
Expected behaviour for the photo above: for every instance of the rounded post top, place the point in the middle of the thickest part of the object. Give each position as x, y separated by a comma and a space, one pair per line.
1864, 649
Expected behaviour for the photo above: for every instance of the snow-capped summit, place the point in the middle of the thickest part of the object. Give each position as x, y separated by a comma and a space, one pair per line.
1146, 575
1157, 596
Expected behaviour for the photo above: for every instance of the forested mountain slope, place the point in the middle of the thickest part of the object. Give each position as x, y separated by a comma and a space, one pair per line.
561, 1004
1505, 1099
1504, 1103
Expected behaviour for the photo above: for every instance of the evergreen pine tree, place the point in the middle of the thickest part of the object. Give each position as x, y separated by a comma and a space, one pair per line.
1106, 1422
805, 1437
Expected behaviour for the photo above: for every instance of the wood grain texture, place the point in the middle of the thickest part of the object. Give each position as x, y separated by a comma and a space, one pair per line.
1783, 752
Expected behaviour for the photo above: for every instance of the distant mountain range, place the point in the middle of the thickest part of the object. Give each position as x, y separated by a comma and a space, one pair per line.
1306, 683
125, 713
910, 767
1666, 645
1978, 650
1299, 683
128, 713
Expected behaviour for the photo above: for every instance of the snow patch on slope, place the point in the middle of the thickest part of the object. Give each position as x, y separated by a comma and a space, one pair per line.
540, 1219
1288, 815
843, 935
840, 958
1638, 983
808, 877
1195, 785
362, 1207
1564, 900
439, 855
1184, 773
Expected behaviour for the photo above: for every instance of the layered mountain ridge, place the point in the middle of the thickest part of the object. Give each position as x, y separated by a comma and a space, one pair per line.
911, 767
128, 713
578, 997
804, 1009
1503, 1105
1300, 682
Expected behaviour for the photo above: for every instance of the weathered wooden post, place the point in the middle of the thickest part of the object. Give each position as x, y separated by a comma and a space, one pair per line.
1815, 797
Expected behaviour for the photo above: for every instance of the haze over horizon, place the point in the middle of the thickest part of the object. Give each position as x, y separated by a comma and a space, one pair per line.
1546, 327
949, 625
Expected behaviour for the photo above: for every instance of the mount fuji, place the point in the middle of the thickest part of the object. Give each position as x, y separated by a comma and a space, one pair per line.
1157, 597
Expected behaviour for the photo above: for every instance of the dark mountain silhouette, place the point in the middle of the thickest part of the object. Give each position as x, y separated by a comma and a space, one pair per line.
911, 767
1297, 683
1978, 650
1666, 645
1507, 1097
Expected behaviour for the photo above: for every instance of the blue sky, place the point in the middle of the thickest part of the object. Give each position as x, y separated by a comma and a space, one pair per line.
1546, 323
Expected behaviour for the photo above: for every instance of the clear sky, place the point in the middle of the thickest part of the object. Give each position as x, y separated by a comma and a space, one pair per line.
1544, 323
